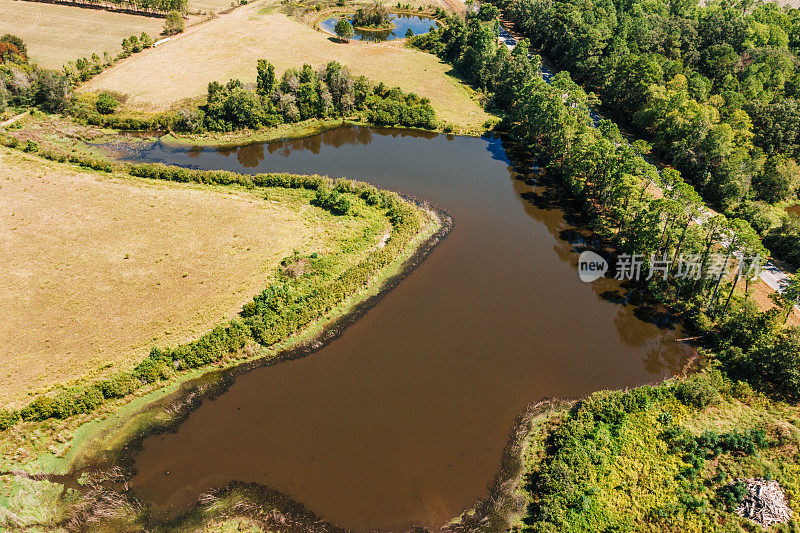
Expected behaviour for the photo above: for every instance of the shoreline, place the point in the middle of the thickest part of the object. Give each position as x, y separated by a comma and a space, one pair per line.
104, 447
102, 440
182, 395
298, 130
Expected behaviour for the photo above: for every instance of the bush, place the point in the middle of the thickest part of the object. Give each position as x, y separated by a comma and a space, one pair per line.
696, 394
106, 103
39, 409
8, 419
730, 496
333, 201
374, 16
173, 24
118, 386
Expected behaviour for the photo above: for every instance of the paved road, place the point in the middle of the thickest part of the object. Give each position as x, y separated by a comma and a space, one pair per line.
773, 276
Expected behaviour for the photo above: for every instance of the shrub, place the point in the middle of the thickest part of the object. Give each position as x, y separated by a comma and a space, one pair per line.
118, 386
730, 496
373, 16
333, 201
700, 390
106, 103
173, 24
8, 418
41, 408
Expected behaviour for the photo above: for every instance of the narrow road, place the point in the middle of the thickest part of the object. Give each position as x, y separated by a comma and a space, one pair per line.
773, 276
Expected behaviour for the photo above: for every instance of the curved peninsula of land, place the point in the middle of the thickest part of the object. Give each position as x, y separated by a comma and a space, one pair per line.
363, 241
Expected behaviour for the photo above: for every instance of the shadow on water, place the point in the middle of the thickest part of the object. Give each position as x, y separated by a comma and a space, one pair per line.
403, 418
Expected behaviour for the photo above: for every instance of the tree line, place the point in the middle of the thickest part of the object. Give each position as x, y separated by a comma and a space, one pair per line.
23, 84
331, 91
714, 86
149, 7
327, 92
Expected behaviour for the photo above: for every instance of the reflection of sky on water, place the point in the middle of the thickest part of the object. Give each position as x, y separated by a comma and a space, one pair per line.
402, 23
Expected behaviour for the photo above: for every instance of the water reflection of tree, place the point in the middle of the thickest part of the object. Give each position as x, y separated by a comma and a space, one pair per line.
250, 156
544, 202
667, 354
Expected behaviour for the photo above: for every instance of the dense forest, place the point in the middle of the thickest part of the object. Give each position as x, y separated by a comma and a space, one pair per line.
713, 87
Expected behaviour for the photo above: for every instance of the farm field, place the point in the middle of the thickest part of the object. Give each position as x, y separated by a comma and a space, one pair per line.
56, 34
186, 65
97, 269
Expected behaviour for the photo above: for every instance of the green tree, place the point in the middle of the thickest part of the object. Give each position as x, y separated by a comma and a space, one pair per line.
173, 24
106, 103
344, 30
51, 91
778, 180
788, 297
265, 78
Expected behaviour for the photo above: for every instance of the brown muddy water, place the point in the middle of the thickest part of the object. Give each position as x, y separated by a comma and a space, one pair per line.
402, 420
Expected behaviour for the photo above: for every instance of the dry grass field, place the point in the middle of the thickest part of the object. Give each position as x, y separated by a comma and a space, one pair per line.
57, 34
96, 270
208, 6
228, 46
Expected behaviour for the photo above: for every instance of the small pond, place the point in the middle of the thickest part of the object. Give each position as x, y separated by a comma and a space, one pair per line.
418, 24
402, 420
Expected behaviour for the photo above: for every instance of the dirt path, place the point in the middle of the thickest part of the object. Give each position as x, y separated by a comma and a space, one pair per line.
172, 39
12, 120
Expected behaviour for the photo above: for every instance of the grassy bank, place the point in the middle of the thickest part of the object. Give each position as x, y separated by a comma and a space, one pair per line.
297, 130
664, 458
55, 440
182, 275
